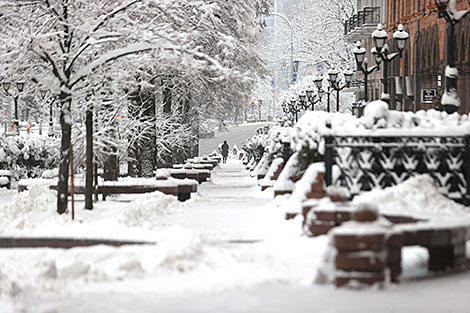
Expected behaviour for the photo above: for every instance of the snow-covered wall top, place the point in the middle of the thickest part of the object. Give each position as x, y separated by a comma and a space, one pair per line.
378, 120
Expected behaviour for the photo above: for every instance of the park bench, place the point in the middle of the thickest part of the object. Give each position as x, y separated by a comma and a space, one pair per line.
181, 188
191, 171
63, 243
445, 241
5, 178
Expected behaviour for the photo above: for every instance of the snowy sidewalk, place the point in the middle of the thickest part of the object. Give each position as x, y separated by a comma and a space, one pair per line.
228, 208
229, 249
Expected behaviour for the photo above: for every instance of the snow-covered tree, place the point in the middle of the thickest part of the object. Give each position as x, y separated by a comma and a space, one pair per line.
60, 44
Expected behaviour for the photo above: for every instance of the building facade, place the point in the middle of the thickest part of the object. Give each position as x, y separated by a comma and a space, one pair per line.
418, 78
416, 81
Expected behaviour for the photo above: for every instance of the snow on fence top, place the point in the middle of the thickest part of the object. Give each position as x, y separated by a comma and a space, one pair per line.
378, 120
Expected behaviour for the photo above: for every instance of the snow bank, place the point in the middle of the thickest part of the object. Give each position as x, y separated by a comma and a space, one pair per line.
303, 187
32, 213
26, 270
285, 180
268, 179
418, 195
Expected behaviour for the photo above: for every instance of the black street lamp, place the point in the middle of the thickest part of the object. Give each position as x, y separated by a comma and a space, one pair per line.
295, 109
20, 87
303, 101
336, 84
50, 131
260, 104
362, 64
311, 97
382, 53
319, 84
450, 99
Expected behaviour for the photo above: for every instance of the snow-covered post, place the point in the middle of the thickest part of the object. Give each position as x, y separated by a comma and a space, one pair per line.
19, 87
50, 131
450, 99
467, 168
328, 160
287, 151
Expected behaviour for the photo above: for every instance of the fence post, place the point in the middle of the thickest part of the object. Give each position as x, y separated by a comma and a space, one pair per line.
287, 152
328, 159
466, 169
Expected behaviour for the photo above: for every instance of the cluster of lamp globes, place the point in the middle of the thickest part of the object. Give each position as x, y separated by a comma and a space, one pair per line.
381, 49
19, 85
308, 98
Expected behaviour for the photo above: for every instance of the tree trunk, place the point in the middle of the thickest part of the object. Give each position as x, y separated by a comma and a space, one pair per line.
89, 159
111, 165
64, 165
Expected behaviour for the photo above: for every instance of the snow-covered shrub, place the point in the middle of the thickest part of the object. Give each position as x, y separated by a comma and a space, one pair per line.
28, 155
255, 147
266, 144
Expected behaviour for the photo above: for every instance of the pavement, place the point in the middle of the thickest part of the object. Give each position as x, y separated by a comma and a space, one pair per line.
236, 135
249, 260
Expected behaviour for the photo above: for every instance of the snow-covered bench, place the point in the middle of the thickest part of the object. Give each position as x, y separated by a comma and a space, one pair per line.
5, 178
181, 188
62, 243
196, 171
358, 236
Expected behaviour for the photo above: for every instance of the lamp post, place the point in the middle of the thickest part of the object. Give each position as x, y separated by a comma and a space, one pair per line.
311, 97
362, 64
260, 103
294, 109
450, 99
291, 107
50, 131
291, 43
336, 84
319, 84
303, 101
19, 86
382, 53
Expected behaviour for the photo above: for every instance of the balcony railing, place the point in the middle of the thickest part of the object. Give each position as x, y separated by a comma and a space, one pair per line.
366, 17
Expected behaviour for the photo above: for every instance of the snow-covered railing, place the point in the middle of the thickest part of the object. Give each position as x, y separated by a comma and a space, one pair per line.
368, 16
367, 162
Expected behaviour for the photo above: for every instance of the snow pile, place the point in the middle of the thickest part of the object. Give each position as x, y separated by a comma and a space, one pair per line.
303, 187
146, 210
25, 270
419, 194
288, 175
376, 114
32, 213
50, 174
268, 179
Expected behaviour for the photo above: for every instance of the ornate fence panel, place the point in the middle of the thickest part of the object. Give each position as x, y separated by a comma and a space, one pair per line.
366, 162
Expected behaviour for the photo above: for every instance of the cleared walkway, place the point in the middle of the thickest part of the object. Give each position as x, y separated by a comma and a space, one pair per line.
229, 207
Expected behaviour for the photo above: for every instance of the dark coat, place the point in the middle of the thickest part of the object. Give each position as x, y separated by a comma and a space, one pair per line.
225, 149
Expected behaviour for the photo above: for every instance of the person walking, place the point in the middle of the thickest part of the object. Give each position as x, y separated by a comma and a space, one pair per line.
225, 149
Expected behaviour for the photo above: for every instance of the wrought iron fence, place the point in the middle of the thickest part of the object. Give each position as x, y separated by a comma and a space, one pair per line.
366, 162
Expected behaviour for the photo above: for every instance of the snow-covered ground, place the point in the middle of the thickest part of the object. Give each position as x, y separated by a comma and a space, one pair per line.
227, 249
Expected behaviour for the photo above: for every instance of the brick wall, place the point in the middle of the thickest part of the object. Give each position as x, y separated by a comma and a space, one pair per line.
430, 50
